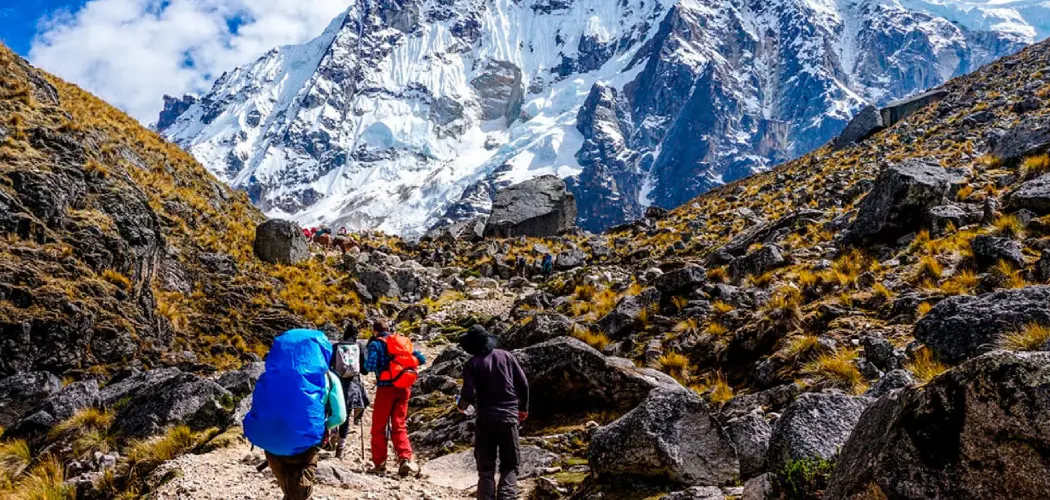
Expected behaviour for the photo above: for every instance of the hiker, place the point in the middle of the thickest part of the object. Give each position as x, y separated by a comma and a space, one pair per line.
343, 231
296, 401
548, 266
394, 361
521, 264
347, 360
495, 382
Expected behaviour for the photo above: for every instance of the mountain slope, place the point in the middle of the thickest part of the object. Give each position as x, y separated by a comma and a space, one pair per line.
408, 113
121, 249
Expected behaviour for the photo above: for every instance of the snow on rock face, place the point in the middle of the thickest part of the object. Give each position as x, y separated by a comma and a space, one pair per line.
408, 113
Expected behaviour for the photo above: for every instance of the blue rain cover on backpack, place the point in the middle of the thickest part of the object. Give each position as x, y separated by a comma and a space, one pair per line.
288, 405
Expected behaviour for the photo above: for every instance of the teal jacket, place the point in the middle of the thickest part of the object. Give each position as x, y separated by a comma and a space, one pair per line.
335, 402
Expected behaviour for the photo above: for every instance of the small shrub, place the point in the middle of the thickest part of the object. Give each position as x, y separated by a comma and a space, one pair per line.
1030, 337
597, 340
961, 283
923, 309
717, 275
805, 479
1009, 226
924, 366
117, 279
721, 392
1034, 166
674, 364
720, 308
837, 370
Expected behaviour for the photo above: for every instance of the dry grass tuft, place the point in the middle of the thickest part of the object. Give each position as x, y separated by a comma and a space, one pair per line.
674, 364
924, 366
1009, 226
837, 370
929, 269
963, 282
718, 275
597, 340
1034, 166
924, 309
1030, 337
15, 458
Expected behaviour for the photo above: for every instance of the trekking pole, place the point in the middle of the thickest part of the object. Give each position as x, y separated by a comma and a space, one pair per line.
362, 424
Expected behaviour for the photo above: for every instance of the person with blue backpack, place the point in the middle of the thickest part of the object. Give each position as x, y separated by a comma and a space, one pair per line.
296, 401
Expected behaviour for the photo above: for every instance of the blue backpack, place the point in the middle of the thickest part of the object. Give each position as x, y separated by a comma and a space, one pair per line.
288, 406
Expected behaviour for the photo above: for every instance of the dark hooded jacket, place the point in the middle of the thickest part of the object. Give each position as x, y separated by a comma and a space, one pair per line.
493, 380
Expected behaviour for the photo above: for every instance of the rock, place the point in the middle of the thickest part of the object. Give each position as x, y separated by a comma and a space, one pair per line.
1033, 195
682, 280
900, 192
623, 319
750, 435
899, 110
895, 379
183, 398
978, 431
880, 352
569, 259
762, 233
759, 488
962, 327
22, 392
500, 90
57, 408
280, 242
458, 471
451, 354
542, 327
538, 207
567, 376
939, 217
814, 427
119, 392
1042, 267
242, 382
696, 493
1025, 105
1030, 136
671, 435
379, 283
655, 213
989, 250
865, 123
757, 262
773, 399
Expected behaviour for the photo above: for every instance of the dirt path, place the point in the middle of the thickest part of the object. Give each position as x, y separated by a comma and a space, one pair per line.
230, 473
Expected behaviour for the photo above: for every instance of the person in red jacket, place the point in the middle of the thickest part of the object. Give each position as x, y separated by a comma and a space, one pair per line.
495, 382
394, 361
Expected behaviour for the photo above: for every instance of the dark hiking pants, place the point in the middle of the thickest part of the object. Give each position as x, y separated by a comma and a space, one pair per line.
295, 474
495, 439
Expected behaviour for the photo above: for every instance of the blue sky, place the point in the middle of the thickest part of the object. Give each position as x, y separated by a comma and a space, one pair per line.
18, 21
133, 52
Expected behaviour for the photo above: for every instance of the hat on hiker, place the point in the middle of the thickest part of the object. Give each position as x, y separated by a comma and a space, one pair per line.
477, 341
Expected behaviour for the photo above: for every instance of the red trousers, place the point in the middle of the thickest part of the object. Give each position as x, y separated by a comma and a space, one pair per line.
391, 405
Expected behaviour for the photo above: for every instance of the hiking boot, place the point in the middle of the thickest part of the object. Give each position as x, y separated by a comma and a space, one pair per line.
408, 468
339, 450
378, 469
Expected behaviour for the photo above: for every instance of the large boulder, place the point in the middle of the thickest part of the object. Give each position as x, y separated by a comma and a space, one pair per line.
981, 430
682, 280
865, 123
280, 242
57, 408
750, 434
1033, 195
150, 401
1029, 136
379, 283
241, 382
22, 392
567, 376
962, 327
814, 427
764, 259
542, 327
899, 110
671, 435
538, 207
902, 192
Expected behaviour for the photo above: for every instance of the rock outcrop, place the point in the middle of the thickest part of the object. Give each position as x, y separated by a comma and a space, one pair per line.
867, 121
22, 392
815, 426
901, 191
671, 435
1033, 195
280, 242
962, 327
538, 207
979, 431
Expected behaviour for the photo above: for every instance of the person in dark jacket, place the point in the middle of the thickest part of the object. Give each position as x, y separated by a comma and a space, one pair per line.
353, 390
494, 382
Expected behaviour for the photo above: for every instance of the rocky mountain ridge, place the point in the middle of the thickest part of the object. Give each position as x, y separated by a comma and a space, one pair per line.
408, 114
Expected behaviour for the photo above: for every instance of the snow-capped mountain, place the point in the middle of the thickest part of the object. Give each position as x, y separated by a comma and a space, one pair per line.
407, 113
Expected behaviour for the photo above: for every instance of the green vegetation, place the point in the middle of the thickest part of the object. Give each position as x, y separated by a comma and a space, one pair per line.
805, 479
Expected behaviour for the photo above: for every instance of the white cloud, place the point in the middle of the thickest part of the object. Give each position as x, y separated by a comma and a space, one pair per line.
131, 52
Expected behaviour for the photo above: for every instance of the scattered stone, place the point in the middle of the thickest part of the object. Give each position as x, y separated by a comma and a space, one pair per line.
570, 259
59, 407
670, 435
280, 242
757, 262
1033, 195
542, 327
896, 379
978, 431
623, 319
682, 280
939, 217
962, 327
989, 250
814, 427
759, 488
696, 493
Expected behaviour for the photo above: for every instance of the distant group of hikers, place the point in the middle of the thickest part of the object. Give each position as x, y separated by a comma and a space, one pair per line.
302, 401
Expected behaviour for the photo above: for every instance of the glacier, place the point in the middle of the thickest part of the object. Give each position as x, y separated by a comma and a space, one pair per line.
405, 114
